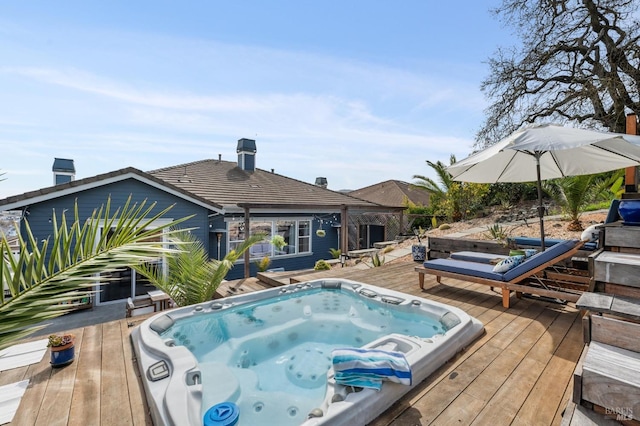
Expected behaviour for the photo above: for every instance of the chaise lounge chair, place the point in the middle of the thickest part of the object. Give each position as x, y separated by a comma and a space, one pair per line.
512, 280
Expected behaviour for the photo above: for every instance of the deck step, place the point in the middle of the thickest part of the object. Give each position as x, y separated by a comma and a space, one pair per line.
611, 379
621, 306
277, 279
617, 268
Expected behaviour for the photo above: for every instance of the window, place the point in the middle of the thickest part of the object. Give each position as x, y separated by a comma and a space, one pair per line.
287, 230
296, 234
304, 236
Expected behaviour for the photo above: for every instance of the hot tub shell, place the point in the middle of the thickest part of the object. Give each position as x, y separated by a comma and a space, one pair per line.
172, 378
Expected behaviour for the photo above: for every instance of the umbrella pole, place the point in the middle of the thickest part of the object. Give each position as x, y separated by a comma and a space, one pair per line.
540, 205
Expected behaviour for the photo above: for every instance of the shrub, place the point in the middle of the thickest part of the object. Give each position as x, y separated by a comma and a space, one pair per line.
263, 264
322, 265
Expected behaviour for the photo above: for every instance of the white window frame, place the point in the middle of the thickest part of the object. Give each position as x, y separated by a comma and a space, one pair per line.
274, 226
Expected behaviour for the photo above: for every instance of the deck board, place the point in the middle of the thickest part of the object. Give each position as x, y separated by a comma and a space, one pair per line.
559, 369
85, 403
517, 372
114, 406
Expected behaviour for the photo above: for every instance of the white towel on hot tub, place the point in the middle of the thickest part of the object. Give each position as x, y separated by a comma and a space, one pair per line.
369, 367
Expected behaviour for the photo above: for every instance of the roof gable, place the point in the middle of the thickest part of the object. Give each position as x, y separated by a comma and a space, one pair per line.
44, 194
392, 193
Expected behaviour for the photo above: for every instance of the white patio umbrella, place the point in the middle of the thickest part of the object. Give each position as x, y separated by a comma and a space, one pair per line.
548, 151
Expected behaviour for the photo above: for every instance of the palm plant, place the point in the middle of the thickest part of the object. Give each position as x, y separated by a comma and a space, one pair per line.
45, 277
571, 193
435, 189
455, 199
192, 277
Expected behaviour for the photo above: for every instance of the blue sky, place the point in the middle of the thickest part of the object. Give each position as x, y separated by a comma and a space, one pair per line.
359, 92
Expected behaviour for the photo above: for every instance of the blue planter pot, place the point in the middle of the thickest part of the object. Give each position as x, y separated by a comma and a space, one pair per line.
419, 252
629, 211
62, 355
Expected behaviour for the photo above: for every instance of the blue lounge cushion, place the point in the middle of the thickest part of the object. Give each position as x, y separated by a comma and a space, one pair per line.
612, 214
540, 258
531, 241
484, 270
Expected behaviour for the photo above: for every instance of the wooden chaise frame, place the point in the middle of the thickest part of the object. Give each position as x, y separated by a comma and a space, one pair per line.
512, 285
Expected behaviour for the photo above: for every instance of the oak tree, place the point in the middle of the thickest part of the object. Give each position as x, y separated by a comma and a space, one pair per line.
576, 60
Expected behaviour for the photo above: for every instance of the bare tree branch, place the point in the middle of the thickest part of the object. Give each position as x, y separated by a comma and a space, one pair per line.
577, 60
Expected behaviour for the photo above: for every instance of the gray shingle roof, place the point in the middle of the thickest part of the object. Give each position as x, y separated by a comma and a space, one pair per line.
224, 183
217, 184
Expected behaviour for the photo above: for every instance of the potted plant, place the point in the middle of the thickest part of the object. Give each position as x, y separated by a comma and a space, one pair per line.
278, 242
62, 349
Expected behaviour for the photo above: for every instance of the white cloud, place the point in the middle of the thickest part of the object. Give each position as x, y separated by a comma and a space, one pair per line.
367, 122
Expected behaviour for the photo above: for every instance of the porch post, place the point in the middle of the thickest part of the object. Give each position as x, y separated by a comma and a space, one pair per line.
247, 254
344, 225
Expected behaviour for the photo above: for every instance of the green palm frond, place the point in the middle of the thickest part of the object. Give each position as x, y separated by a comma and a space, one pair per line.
44, 278
193, 278
572, 193
444, 178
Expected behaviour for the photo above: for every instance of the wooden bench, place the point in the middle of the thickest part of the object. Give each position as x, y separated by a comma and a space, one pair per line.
442, 247
383, 244
361, 252
140, 306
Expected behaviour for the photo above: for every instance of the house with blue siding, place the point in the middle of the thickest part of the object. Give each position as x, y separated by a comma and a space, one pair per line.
228, 200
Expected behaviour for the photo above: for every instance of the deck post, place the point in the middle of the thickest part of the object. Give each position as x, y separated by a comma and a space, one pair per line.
344, 226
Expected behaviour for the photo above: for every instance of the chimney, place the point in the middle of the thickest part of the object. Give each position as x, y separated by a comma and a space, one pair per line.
246, 154
321, 182
63, 171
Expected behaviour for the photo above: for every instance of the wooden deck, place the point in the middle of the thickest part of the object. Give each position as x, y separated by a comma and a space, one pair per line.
518, 372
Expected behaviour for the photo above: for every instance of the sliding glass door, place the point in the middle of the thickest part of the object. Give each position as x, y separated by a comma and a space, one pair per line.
120, 285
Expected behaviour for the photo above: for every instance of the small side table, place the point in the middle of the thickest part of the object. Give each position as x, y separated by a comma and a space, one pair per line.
160, 298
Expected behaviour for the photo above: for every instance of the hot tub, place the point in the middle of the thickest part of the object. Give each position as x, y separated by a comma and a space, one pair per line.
268, 354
